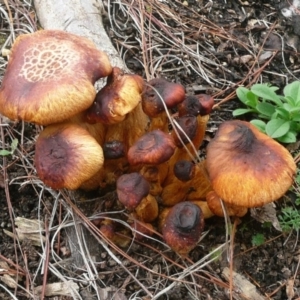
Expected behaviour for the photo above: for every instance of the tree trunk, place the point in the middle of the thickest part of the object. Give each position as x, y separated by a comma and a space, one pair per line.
81, 17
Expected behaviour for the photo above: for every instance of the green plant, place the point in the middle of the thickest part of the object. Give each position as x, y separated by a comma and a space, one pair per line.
289, 219
13, 147
279, 116
258, 239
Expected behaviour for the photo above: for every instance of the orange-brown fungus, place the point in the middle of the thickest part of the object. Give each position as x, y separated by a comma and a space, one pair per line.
183, 227
50, 76
246, 167
66, 155
153, 148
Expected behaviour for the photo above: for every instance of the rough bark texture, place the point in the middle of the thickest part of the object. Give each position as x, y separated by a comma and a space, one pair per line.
81, 17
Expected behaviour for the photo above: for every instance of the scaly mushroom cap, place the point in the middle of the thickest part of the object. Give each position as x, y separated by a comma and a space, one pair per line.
66, 156
131, 189
118, 97
160, 90
246, 167
183, 227
152, 148
50, 77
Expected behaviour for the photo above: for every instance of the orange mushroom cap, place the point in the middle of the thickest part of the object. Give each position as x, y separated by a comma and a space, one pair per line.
246, 167
118, 97
50, 76
183, 227
152, 148
66, 156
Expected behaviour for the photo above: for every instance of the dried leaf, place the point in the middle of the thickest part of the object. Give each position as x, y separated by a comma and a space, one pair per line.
28, 230
290, 289
9, 281
243, 288
266, 213
68, 288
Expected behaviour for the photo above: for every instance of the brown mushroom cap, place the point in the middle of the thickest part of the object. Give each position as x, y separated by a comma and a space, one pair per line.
188, 129
131, 189
207, 102
184, 170
66, 156
194, 105
113, 149
246, 167
152, 148
161, 90
50, 76
183, 227
118, 97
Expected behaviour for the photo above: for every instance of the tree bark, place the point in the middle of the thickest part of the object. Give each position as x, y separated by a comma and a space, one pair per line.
81, 17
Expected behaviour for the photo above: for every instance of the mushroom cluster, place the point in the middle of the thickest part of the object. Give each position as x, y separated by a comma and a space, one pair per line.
138, 138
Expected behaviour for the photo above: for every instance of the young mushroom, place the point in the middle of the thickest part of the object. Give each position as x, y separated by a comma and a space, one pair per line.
188, 127
131, 189
184, 170
50, 77
66, 156
183, 227
246, 167
152, 148
194, 105
121, 94
160, 94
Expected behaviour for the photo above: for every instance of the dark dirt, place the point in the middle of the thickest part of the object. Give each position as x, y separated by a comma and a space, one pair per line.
234, 34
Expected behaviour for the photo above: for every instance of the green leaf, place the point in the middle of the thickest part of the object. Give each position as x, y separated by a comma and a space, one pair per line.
246, 96
5, 152
288, 138
296, 118
242, 111
259, 124
241, 92
14, 145
266, 109
277, 128
287, 106
265, 92
258, 239
293, 90
281, 112
289, 100
295, 110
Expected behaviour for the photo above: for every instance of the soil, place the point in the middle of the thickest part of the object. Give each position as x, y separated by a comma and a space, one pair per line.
239, 42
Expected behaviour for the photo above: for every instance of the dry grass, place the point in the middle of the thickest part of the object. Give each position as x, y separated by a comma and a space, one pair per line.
151, 268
